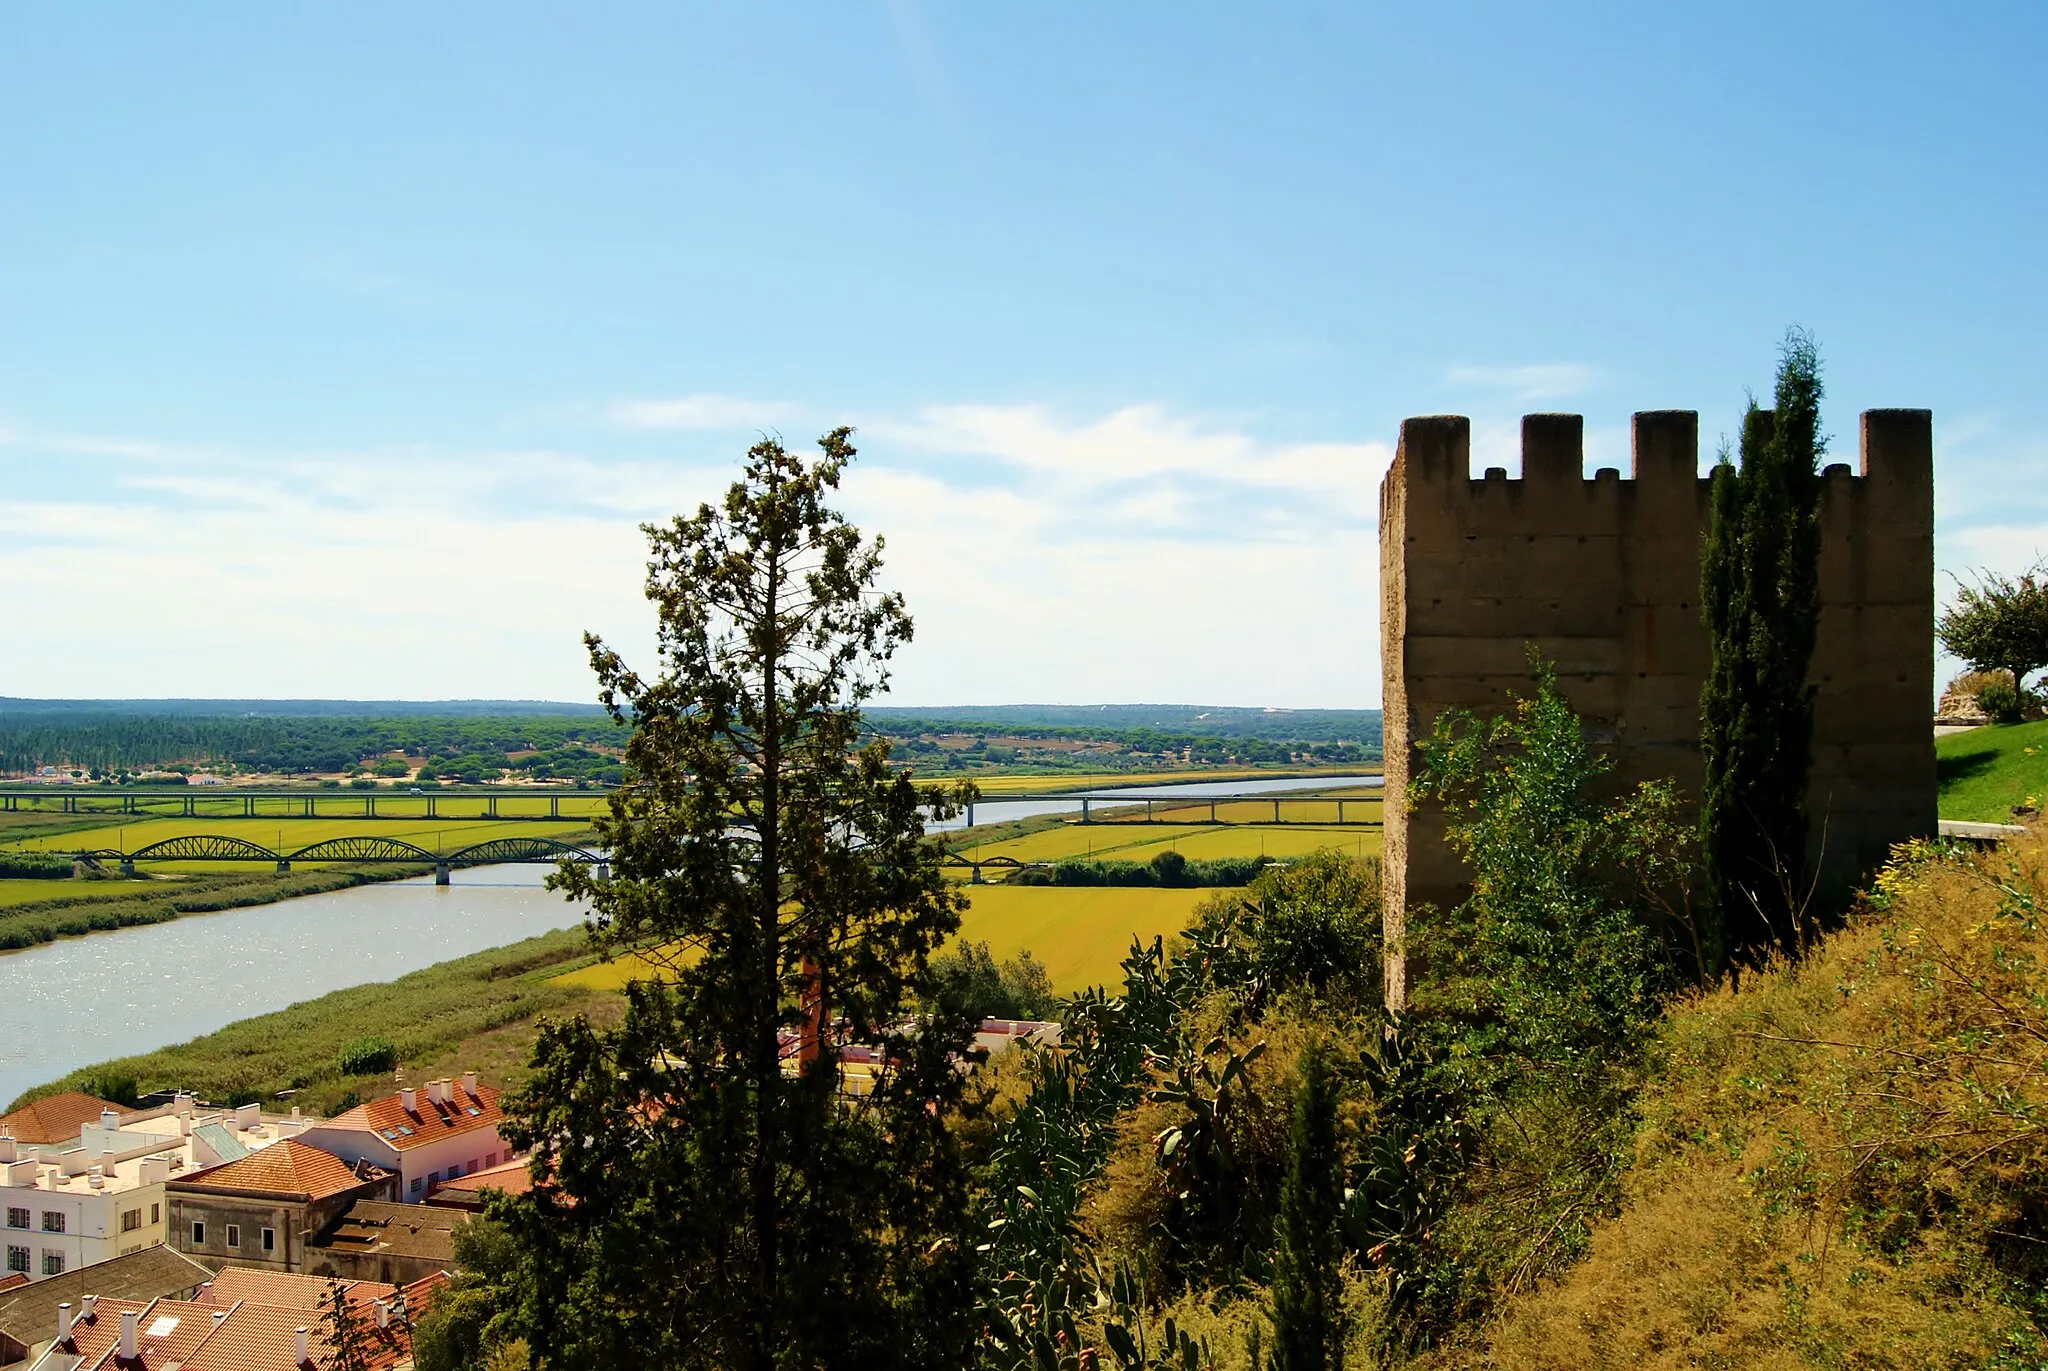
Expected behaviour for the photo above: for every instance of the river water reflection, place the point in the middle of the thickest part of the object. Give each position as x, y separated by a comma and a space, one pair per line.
81, 1000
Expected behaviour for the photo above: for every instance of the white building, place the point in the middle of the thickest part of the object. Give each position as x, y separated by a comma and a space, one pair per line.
101, 1195
428, 1135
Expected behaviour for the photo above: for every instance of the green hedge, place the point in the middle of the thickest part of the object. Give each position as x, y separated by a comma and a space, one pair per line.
1167, 869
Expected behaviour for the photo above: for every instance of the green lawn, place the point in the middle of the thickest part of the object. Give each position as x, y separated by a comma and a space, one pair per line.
1987, 771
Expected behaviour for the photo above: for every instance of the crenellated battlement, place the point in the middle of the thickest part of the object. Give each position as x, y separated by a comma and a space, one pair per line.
1601, 573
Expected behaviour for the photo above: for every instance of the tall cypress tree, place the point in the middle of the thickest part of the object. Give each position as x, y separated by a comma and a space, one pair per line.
1308, 1315
1760, 596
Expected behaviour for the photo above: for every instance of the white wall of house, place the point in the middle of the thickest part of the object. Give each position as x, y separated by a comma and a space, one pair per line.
420, 1168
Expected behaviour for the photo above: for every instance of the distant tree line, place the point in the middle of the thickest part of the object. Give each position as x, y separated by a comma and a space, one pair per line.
563, 745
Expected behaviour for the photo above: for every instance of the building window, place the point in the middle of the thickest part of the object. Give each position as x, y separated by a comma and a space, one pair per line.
415, 1185
433, 1178
490, 1159
472, 1167
53, 1263
156, 1215
17, 1218
199, 1232
234, 1235
53, 1222
131, 1219
17, 1259
270, 1240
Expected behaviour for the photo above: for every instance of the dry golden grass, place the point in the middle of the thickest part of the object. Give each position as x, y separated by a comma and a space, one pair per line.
1843, 1164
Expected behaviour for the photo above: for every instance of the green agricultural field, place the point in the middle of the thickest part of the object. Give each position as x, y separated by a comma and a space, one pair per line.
32, 891
1987, 772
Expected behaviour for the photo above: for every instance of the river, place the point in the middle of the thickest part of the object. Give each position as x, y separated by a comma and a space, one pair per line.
76, 1001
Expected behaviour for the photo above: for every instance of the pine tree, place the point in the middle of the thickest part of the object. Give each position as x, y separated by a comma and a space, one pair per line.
1308, 1315
713, 1196
345, 1349
1760, 597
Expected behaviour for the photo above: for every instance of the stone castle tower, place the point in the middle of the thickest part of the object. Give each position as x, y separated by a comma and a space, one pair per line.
1602, 575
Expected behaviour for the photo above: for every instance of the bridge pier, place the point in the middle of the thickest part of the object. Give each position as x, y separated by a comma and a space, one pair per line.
284, 868
190, 812
604, 871
440, 873
970, 813
127, 866
1084, 811
1212, 811
975, 878
554, 806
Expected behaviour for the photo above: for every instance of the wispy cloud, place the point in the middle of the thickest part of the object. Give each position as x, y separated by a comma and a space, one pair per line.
1542, 381
700, 412
1110, 556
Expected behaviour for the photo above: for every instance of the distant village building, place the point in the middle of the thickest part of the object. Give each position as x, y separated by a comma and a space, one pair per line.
263, 1209
98, 1192
429, 1135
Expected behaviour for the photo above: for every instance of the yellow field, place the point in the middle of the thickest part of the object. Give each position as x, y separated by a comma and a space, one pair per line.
1139, 842
1080, 933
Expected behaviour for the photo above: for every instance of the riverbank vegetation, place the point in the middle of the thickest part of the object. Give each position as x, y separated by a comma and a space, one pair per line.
473, 1013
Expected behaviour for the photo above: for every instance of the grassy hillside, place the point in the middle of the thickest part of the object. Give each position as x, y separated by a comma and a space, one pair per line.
1987, 772
1843, 1164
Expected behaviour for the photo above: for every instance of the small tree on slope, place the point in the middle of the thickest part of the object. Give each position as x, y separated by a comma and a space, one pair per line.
1760, 597
1308, 1311
703, 1205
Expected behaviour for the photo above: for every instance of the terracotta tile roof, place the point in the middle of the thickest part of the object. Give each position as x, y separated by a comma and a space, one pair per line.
13, 1280
512, 1177
56, 1118
30, 1313
286, 1167
426, 1121
281, 1291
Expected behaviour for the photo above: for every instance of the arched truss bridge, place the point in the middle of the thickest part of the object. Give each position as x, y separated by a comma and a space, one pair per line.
217, 847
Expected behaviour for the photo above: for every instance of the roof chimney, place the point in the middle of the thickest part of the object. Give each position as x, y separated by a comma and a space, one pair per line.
299, 1357
383, 1308
129, 1318
87, 1306
469, 1082
6, 1150
64, 1321
109, 1120
406, 1100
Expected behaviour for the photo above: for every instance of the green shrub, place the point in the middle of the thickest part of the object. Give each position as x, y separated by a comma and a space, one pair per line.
118, 1087
33, 866
2000, 701
369, 1057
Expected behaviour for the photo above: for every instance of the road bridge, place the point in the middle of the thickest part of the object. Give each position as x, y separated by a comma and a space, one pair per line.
1098, 808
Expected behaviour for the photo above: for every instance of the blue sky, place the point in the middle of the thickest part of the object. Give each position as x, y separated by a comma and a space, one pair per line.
341, 349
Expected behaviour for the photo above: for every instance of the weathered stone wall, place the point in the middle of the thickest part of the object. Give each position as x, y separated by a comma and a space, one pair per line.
1602, 576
